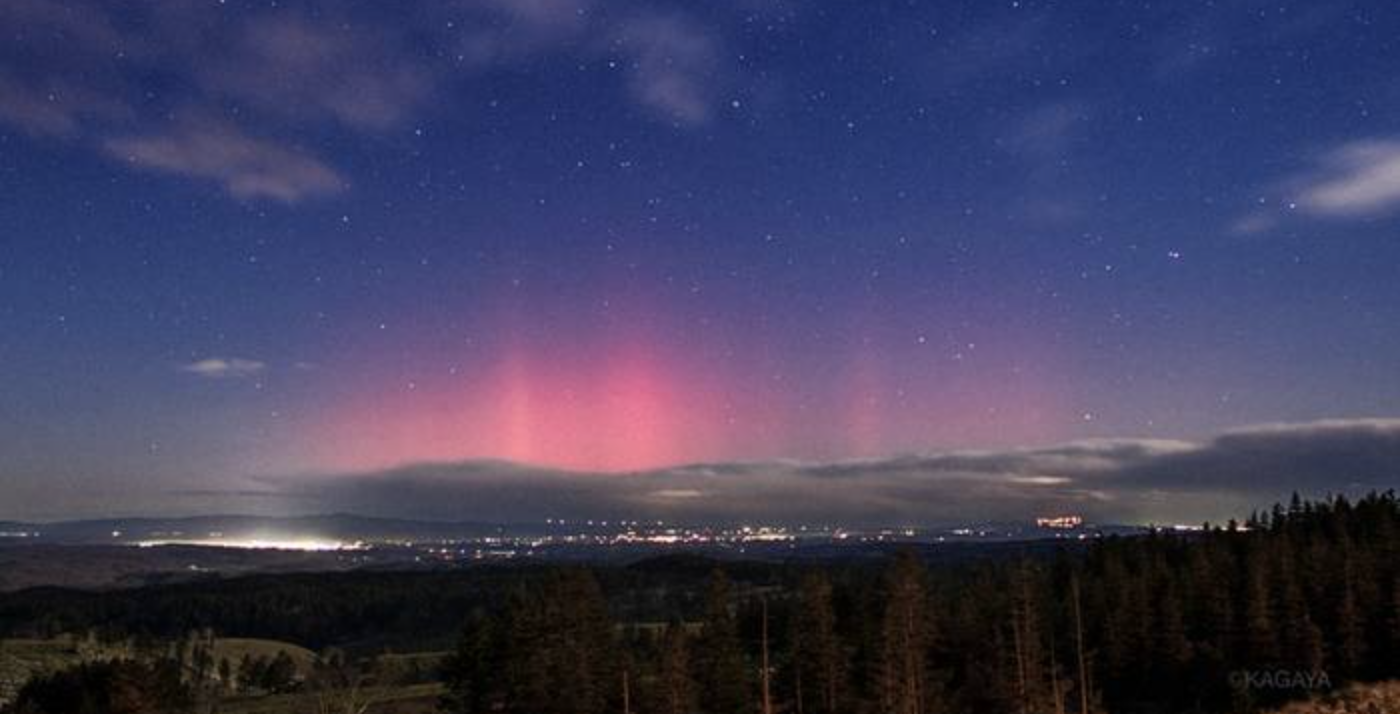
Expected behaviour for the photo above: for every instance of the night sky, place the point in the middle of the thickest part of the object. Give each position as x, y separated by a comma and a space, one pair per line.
246, 243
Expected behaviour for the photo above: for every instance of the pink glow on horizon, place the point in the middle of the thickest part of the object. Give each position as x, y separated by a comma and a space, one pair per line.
635, 411
631, 410
620, 399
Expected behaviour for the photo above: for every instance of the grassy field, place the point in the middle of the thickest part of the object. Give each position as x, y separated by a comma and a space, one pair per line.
413, 699
234, 649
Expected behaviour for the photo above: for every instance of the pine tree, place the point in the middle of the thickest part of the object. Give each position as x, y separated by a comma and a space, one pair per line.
1114, 603
250, 671
1170, 643
1214, 622
1083, 682
675, 682
280, 673
1350, 644
1392, 619
527, 655
1301, 638
720, 666
559, 653
590, 667
902, 668
469, 674
765, 671
817, 656
1260, 643
1034, 674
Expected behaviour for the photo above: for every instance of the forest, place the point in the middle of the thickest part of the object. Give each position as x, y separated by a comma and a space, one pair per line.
1293, 602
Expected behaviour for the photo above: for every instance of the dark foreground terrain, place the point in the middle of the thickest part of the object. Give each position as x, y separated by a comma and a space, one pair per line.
1295, 605
94, 567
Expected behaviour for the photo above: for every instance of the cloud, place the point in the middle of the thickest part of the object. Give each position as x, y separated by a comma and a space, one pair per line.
246, 166
1047, 132
1353, 180
35, 110
53, 66
486, 34
1121, 480
672, 63
1253, 223
1049, 188
1342, 455
224, 367
1358, 179
286, 64
108, 77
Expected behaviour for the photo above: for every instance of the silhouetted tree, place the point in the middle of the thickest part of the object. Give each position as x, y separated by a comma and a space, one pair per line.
719, 655
902, 676
471, 672
676, 691
817, 657
113, 687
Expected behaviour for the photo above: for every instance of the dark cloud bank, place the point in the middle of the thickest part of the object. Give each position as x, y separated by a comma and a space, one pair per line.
1121, 480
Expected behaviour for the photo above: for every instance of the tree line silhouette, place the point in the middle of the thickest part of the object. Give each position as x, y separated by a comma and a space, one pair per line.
1232, 618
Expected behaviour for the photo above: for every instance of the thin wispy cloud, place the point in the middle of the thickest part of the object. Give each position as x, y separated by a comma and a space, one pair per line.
1048, 131
557, 14
1044, 141
1253, 223
507, 31
56, 68
296, 67
247, 167
671, 62
224, 367
36, 110
54, 105
283, 73
1355, 180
